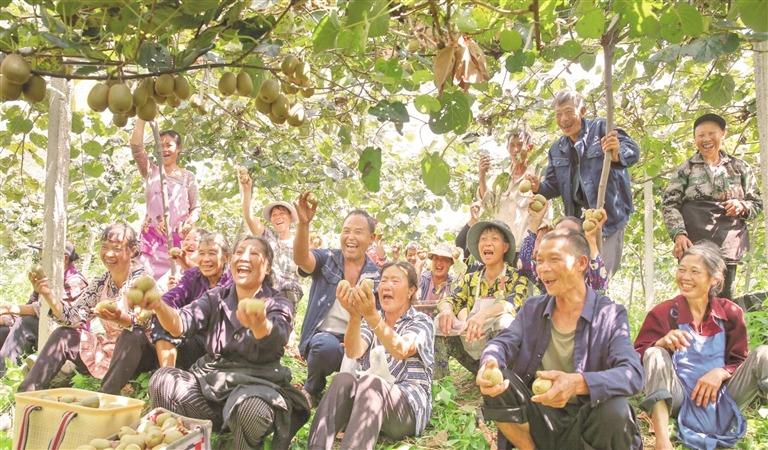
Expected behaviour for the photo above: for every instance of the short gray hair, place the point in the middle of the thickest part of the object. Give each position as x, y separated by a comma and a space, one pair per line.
712, 258
568, 96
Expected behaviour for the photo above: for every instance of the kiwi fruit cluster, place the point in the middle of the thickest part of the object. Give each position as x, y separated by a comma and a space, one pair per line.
155, 433
16, 79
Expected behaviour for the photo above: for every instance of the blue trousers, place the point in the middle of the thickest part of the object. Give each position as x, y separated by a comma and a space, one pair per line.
325, 355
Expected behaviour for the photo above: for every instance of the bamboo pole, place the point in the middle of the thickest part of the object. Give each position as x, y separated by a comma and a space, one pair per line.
164, 190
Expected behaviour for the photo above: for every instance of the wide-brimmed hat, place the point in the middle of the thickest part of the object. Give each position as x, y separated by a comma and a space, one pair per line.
710, 118
286, 205
442, 249
473, 239
69, 250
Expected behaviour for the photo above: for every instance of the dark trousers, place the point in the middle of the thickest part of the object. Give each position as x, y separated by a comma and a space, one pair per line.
608, 425
133, 354
325, 355
21, 340
730, 277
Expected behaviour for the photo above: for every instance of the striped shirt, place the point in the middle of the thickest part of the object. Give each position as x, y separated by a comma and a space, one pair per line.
413, 375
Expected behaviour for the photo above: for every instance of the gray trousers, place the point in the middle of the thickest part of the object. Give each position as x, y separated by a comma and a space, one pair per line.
613, 247
21, 340
364, 408
661, 382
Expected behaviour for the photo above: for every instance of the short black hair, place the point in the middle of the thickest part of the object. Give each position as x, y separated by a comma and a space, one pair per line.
174, 135
363, 213
575, 239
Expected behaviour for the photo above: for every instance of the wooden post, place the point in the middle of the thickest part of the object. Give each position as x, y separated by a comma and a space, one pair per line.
56, 187
761, 94
648, 248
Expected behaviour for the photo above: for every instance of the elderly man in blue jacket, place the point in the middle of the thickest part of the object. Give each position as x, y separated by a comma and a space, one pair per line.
575, 162
578, 343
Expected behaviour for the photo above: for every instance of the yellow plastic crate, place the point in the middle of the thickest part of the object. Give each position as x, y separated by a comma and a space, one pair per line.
87, 424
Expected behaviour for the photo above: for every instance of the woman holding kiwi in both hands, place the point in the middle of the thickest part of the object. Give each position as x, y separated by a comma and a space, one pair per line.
239, 382
183, 199
395, 349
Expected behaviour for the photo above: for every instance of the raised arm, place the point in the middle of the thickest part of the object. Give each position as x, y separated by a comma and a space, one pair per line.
301, 254
254, 223
137, 148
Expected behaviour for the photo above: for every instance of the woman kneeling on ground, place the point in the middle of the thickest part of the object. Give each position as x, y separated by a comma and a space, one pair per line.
694, 350
395, 348
96, 354
239, 383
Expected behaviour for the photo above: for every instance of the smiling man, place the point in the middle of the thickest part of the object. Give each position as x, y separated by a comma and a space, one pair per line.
575, 163
579, 341
326, 320
483, 302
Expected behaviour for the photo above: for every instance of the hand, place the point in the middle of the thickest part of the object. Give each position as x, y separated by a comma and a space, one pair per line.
304, 209
173, 281
610, 143
244, 179
40, 285
536, 217
483, 166
365, 302
5, 308
485, 385
473, 327
344, 293
682, 243
445, 320
535, 183
106, 315
675, 340
592, 234
252, 320
734, 207
564, 386
706, 389
475, 209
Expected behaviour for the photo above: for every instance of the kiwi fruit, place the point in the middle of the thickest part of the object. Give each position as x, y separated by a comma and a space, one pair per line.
262, 106
269, 90
164, 85
148, 111
288, 66
119, 98
173, 101
302, 71
38, 271
98, 97
541, 386
307, 92
280, 107
296, 115
228, 84
140, 95
244, 84
134, 296
34, 89
289, 88
277, 120
15, 69
181, 88
493, 375
525, 186
9, 91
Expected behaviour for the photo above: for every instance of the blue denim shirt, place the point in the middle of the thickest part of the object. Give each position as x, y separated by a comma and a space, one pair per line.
618, 196
329, 270
602, 349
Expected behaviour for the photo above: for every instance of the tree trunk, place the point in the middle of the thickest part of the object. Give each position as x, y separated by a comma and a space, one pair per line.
648, 249
56, 187
761, 93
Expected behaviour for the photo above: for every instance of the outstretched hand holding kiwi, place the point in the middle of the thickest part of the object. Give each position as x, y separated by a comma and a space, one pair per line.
306, 206
490, 379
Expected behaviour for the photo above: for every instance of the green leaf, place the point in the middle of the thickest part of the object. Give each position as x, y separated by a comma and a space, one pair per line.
708, 48
426, 103
569, 50
19, 125
465, 24
754, 14
154, 57
345, 135
93, 148
591, 24
379, 17
510, 40
679, 21
454, 114
370, 168
194, 7
692, 22
93, 169
587, 61
324, 36
717, 90
436, 173
394, 112
39, 140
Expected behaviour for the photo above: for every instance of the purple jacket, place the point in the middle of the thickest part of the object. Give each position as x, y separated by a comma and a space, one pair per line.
192, 285
602, 352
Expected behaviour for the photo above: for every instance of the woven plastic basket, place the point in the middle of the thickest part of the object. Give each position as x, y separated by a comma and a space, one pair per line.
42, 423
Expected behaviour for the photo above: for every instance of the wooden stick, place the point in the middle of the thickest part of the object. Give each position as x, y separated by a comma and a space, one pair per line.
164, 190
